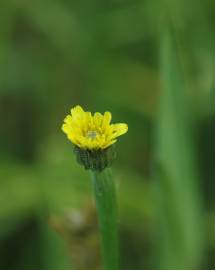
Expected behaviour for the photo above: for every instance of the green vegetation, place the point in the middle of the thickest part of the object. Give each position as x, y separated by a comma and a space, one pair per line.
151, 63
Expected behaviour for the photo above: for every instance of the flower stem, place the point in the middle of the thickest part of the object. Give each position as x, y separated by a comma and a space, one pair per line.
105, 197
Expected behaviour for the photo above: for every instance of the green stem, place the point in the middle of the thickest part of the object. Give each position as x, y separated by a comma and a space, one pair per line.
105, 197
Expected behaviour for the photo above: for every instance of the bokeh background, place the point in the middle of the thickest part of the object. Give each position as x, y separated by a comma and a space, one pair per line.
151, 63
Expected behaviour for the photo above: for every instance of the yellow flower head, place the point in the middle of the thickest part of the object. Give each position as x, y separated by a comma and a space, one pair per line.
91, 132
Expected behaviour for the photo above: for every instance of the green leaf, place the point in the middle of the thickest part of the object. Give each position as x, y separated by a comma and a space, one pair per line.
179, 201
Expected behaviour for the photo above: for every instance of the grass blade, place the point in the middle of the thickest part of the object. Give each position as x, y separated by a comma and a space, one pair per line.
179, 199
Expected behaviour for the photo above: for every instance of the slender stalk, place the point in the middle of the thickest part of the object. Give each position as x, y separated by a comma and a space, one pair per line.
105, 197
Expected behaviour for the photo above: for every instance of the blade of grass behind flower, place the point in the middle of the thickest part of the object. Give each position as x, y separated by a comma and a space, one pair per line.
179, 207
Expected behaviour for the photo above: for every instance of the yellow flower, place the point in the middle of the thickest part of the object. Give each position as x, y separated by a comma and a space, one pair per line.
91, 132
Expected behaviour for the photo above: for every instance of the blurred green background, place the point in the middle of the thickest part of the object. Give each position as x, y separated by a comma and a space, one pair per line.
151, 63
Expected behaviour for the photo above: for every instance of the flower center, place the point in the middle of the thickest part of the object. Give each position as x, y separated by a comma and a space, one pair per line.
92, 134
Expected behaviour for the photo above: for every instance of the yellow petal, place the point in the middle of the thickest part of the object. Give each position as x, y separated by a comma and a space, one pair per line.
88, 119
108, 131
77, 110
118, 130
108, 143
68, 119
106, 120
100, 141
97, 119
77, 114
64, 128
